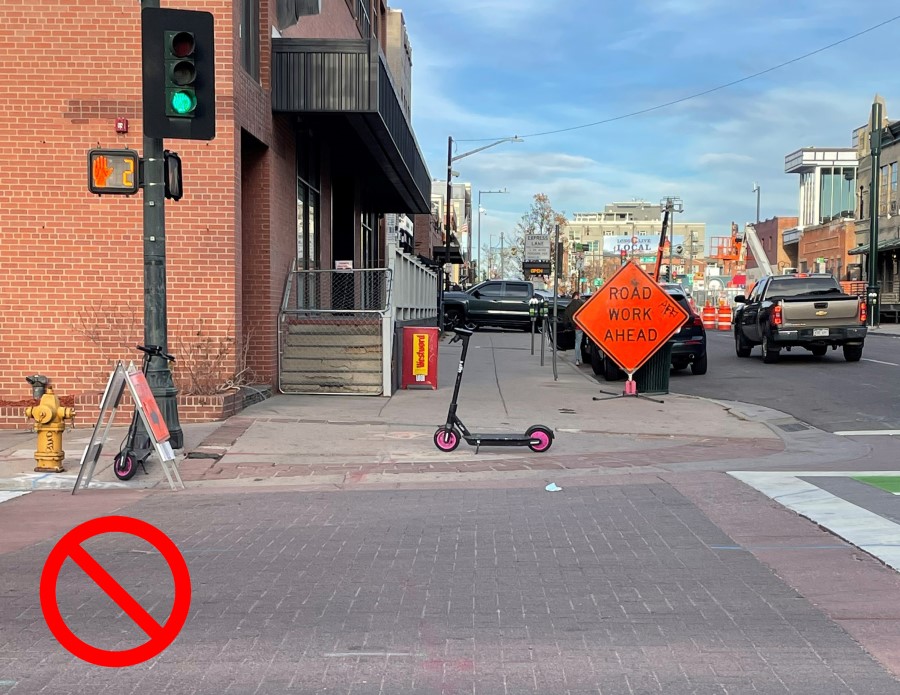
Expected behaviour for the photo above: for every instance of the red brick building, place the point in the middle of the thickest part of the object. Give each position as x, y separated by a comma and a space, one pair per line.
301, 168
771, 235
825, 248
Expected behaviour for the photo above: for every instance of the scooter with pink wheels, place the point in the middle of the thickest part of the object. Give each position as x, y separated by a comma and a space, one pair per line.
448, 436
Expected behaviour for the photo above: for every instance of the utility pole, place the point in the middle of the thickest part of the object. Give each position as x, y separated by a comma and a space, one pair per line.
872, 273
159, 377
501, 255
756, 190
671, 275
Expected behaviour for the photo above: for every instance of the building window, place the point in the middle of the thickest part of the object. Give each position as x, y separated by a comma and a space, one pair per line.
893, 180
362, 18
250, 38
883, 191
836, 192
308, 207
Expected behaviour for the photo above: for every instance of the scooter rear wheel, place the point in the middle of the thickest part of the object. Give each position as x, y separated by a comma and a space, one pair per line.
446, 440
124, 466
543, 435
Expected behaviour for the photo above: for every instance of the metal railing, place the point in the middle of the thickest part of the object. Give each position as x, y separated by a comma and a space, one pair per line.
414, 287
337, 291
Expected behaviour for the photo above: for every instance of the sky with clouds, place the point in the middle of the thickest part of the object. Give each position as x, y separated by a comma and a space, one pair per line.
490, 69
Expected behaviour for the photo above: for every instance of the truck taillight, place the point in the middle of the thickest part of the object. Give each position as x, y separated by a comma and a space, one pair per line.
777, 319
863, 312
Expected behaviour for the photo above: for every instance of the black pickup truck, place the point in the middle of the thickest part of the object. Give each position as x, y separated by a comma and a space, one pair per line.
501, 303
801, 310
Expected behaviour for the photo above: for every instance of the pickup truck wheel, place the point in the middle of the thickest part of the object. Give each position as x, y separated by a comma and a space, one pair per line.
698, 367
451, 319
819, 350
853, 353
740, 344
769, 355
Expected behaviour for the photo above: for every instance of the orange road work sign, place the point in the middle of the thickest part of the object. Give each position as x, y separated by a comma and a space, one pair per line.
630, 317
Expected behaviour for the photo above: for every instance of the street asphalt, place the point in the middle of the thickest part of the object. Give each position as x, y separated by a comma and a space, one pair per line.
333, 549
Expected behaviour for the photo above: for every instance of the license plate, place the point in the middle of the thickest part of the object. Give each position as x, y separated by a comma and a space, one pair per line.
820, 332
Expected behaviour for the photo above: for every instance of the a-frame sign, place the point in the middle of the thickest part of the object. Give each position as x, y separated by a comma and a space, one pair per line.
146, 407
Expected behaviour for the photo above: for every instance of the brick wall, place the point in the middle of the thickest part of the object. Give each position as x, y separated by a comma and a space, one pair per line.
771, 234
71, 271
831, 241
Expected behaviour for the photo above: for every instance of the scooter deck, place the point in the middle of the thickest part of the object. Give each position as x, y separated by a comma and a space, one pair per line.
499, 439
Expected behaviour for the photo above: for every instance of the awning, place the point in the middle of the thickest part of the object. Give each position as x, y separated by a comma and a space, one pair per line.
887, 245
344, 87
440, 255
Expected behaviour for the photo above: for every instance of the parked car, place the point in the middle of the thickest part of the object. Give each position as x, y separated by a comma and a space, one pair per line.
688, 345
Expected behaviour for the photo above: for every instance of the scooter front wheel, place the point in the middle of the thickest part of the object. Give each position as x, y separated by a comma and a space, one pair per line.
542, 436
124, 466
446, 440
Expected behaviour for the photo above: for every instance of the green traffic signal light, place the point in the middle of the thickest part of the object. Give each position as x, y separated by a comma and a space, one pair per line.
183, 102
181, 98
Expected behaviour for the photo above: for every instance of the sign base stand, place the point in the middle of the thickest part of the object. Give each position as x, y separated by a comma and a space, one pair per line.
629, 392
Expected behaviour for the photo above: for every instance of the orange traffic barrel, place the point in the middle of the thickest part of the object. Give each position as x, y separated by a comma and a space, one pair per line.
709, 317
723, 318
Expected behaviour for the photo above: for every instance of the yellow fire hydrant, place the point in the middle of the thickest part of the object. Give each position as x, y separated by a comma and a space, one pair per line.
49, 423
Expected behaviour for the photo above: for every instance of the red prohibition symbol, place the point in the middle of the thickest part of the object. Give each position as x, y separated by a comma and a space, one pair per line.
69, 547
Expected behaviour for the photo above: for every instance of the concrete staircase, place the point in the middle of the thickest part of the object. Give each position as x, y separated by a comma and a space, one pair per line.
332, 356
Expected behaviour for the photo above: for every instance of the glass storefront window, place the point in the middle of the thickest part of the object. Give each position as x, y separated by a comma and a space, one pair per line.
307, 203
836, 192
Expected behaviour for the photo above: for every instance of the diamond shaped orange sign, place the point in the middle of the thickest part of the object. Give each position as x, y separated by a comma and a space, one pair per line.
630, 317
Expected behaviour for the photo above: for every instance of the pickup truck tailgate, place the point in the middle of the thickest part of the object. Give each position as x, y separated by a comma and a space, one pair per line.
808, 311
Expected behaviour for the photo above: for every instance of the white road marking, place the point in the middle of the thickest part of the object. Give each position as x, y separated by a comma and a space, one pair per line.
868, 433
864, 529
890, 364
11, 494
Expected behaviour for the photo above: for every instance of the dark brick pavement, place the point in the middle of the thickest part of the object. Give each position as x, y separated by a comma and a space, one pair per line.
595, 589
699, 449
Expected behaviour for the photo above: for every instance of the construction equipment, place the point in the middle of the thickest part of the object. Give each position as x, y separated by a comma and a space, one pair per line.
759, 253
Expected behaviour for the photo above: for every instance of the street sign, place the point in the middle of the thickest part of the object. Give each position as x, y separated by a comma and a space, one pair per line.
630, 317
537, 247
598, 282
679, 250
531, 269
114, 172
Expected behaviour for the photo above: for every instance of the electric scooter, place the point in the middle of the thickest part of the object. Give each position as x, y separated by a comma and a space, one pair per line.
125, 463
447, 437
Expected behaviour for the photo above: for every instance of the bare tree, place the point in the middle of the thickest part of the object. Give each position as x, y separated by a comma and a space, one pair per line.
541, 218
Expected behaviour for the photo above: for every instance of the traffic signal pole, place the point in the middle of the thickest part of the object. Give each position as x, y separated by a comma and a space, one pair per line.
159, 377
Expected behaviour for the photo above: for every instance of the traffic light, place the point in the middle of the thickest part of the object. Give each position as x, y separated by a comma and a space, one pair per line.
623, 256
179, 81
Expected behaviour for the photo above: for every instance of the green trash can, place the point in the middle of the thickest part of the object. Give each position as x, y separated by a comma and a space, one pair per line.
653, 376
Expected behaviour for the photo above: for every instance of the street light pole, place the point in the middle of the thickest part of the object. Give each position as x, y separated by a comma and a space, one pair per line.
479, 229
756, 190
872, 272
450, 159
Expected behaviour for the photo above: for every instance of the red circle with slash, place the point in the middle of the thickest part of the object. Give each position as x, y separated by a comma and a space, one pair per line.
69, 548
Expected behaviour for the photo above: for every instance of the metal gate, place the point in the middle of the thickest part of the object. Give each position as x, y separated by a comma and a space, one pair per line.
332, 328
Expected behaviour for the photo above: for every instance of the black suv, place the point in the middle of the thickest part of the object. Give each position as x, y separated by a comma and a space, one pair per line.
688, 345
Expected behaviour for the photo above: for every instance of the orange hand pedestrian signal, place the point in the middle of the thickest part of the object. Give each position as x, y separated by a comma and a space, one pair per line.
113, 171
101, 171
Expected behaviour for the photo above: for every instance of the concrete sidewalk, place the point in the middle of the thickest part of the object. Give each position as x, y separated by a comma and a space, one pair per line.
338, 440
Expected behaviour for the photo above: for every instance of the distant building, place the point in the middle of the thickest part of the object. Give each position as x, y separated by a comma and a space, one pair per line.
888, 212
824, 234
633, 227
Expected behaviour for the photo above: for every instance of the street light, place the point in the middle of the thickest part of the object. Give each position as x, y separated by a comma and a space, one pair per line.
756, 190
479, 223
450, 160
